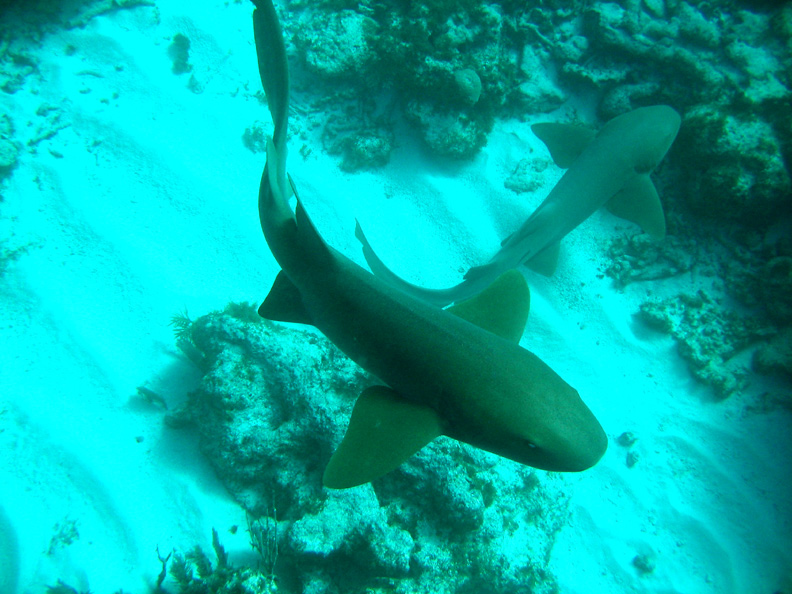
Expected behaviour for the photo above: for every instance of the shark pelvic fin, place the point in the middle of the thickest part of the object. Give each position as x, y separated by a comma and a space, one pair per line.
564, 141
546, 261
502, 308
639, 203
284, 303
384, 430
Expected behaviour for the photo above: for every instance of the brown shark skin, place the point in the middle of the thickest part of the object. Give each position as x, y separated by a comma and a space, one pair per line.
489, 392
627, 147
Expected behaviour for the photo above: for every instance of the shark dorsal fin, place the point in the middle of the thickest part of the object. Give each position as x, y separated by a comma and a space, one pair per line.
564, 141
384, 430
502, 308
639, 203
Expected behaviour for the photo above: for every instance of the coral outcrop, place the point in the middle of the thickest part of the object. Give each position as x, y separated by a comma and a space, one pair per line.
271, 408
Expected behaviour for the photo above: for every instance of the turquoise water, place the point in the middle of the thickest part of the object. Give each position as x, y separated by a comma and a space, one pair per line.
157, 434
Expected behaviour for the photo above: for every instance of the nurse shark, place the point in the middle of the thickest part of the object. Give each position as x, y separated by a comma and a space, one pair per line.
457, 372
609, 168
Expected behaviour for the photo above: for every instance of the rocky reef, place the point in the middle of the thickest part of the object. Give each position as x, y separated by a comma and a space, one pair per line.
271, 407
708, 336
452, 69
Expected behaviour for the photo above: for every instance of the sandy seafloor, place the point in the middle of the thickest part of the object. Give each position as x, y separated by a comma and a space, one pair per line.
145, 203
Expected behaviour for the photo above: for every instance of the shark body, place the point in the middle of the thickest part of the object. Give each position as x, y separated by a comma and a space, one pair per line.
458, 372
608, 168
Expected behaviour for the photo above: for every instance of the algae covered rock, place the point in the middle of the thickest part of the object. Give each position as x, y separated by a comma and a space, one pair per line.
270, 409
776, 288
776, 355
540, 91
734, 167
641, 258
708, 336
468, 84
526, 176
336, 44
364, 149
450, 134
179, 53
9, 150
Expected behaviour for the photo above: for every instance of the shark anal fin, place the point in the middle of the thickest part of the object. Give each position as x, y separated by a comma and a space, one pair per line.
384, 430
564, 141
638, 202
478, 271
546, 261
502, 308
284, 303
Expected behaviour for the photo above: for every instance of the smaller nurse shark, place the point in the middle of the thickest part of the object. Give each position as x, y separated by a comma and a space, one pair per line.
610, 168
457, 372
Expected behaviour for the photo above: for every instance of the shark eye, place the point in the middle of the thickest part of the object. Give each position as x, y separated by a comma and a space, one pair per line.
528, 443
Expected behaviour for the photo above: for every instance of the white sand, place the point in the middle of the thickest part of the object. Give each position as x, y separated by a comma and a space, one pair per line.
152, 208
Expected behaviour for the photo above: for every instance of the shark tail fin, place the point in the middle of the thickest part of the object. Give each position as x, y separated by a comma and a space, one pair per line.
384, 430
274, 210
439, 297
273, 66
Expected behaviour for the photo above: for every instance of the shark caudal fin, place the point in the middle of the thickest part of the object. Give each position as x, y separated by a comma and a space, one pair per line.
385, 429
274, 73
439, 297
274, 211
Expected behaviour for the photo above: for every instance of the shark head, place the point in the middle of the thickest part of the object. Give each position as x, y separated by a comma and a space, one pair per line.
561, 435
646, 134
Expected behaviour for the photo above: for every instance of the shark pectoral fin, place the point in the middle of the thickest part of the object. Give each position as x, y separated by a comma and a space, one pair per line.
638, 202
384, 430
284, 303
502, 308
564, 141
546, 261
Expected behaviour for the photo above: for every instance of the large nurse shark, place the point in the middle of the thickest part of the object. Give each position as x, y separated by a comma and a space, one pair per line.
610, 168
457, 372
